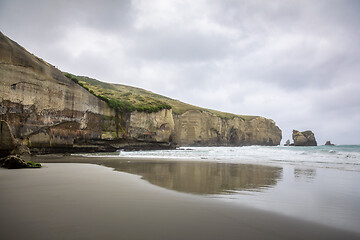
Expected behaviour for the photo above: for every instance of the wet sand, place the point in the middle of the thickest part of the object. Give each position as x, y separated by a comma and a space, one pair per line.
87, 201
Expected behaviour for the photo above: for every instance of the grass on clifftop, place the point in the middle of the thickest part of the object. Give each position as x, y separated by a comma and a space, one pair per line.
129, 99
121, 97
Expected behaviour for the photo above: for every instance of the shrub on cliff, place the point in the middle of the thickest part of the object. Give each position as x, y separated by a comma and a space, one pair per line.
122, 106
68, 75
152, 108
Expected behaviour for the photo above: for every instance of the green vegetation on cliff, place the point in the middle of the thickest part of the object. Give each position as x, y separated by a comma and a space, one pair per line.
121, 97
129, 99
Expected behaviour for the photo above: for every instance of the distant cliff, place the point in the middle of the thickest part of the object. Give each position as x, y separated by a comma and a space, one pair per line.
204, 128
49, 112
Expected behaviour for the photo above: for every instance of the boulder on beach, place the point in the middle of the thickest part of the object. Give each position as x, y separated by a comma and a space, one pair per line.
14, 162
306, 138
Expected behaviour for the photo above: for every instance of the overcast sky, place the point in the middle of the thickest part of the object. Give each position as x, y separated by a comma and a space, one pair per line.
296, 62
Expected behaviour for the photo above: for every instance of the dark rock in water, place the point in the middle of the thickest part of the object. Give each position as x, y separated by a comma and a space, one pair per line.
306, 138
287, 143
328, 143
14, 162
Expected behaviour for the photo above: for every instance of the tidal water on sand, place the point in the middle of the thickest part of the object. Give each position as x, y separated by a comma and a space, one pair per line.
346, 157
318, 184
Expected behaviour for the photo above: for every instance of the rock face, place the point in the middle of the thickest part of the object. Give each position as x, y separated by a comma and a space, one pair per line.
306, 138
328, 143
156, 127
204, 128
42, 106
45, 111
7, 141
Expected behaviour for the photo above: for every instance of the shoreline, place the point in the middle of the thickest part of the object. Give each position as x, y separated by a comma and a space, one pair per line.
88, 201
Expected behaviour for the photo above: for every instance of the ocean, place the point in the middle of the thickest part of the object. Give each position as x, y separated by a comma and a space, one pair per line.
319, 184
344, 157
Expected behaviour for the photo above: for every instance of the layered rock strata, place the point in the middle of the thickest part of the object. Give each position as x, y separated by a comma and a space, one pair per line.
204, 128
42, 109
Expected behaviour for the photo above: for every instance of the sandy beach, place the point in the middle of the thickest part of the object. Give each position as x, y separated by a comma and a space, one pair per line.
88, 201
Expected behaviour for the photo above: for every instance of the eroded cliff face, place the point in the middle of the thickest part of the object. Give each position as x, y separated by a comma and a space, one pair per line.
43, 108
157, 127
204, 128
196, 128
50, 113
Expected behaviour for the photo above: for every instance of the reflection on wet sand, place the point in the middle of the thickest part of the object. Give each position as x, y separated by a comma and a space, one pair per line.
304, 174
202, 177
187, 176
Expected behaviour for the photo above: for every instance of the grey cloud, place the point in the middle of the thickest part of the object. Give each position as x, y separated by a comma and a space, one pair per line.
334, 22
45, 22
295, 61
179, 45
339, 102
107, 15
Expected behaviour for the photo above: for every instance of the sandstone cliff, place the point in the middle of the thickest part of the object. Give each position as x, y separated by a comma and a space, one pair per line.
49, 112
205, 128
43, 108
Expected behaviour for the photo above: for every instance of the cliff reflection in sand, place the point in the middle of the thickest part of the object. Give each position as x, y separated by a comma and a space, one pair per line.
202, 177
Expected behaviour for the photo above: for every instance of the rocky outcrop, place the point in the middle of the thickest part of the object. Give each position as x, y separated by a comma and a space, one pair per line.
306, 138
204, 128
13, 162
45, 111
328, 143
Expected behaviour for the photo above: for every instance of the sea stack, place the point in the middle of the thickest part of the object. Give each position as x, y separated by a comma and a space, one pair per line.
306, 138
328, 143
